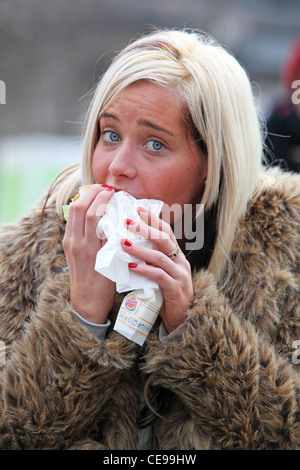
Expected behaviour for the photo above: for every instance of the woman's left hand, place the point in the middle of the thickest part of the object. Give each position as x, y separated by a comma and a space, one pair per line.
173, 275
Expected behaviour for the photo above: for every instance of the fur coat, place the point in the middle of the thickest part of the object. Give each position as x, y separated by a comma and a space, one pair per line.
227, 378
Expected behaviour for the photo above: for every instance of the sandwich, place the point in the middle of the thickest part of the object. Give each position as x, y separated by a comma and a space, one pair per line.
66, 207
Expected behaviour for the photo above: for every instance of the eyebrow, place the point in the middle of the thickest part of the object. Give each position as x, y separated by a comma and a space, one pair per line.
145, 122
109, 115
141, 122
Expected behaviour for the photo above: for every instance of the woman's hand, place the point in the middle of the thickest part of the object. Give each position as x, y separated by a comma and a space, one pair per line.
172, 275
91, 295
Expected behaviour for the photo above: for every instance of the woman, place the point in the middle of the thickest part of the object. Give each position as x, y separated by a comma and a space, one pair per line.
173, 119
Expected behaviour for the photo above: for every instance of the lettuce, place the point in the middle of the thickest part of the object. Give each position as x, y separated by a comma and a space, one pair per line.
65, 210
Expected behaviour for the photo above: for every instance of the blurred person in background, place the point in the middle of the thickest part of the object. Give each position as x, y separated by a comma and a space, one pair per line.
172, 118
283, 124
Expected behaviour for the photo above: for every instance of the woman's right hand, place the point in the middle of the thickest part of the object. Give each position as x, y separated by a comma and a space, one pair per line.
91, 295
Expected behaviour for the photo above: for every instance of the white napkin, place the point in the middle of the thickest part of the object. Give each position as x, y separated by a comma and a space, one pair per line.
112, 261
141, 306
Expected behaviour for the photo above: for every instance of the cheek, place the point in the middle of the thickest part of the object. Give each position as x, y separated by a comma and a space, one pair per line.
165, 187
156, 184
98, 167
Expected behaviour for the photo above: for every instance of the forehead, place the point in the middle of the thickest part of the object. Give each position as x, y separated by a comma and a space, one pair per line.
147, 98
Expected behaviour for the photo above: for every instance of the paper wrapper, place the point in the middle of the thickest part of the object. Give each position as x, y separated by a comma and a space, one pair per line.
140, 308
137, 314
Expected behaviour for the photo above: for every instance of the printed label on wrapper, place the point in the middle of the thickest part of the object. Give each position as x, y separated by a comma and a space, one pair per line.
137, 315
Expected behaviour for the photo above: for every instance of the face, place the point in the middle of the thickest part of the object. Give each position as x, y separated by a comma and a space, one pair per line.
146, 148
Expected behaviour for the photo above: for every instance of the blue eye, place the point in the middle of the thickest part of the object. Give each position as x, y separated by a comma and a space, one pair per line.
155, 145
111, 136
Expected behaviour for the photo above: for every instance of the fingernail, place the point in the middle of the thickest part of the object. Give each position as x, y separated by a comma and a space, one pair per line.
104, 185
127, 242
132, 265
129, 222
109, 188
141, 209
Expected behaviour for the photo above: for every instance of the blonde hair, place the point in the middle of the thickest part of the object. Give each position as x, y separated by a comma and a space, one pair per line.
220, 103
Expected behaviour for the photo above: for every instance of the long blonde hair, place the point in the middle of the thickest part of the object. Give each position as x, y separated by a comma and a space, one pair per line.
221, 107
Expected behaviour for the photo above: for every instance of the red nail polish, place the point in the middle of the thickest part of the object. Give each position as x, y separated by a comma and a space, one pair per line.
104, 185
132, 265
129, 222
109, 188
127, 242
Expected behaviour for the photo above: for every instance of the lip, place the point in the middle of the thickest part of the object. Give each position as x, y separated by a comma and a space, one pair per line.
121, 189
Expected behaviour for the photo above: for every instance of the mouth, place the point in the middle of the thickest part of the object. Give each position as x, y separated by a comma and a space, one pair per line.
121, 189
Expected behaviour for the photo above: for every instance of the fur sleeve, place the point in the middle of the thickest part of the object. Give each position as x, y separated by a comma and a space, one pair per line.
238, 390
19, 247
231, 362
58, 381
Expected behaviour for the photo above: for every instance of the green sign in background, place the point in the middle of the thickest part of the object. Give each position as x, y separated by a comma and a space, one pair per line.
28, 166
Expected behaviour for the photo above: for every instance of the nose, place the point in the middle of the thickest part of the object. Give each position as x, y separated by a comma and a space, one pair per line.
123, 163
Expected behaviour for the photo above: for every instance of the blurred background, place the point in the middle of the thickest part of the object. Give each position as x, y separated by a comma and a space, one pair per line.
53, 52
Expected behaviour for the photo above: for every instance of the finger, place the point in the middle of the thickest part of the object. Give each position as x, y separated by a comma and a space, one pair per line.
156, 222
161, 238
83, 209
154, 258
168, 283
76, 218
96, 211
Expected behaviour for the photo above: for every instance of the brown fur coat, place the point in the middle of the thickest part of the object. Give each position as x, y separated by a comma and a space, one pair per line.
228, 375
